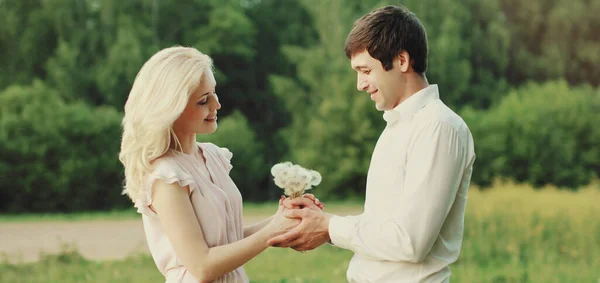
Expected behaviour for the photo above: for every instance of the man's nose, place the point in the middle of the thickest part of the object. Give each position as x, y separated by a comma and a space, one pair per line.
361, 84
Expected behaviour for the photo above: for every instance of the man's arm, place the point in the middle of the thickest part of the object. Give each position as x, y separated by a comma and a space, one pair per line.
433, 174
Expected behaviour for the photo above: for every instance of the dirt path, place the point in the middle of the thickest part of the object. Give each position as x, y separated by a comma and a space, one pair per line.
23, 242
94, 239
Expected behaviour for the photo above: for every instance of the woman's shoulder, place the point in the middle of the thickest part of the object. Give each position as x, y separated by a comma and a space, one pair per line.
168, 171
168, 168
223, 154
163, 162
215, 149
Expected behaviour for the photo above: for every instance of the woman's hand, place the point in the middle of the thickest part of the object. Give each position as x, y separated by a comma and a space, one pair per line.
280, 224
315, 201
307, 200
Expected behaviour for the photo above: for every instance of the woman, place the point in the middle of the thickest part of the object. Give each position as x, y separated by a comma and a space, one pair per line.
191, 209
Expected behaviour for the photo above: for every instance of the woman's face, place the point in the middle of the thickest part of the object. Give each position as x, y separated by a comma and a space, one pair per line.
200, 114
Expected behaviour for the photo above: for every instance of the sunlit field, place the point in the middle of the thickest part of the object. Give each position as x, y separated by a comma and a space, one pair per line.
513, 234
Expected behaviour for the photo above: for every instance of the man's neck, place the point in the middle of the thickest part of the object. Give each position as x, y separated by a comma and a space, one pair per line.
414, 84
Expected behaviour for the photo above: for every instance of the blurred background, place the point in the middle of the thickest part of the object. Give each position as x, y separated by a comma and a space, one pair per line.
523, 74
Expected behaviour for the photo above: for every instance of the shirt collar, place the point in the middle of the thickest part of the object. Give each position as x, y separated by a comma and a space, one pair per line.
411, 105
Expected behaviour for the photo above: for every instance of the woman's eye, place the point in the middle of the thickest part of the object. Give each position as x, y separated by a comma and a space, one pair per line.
202, 102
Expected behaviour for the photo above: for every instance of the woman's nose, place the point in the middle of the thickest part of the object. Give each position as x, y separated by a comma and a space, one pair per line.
217, 104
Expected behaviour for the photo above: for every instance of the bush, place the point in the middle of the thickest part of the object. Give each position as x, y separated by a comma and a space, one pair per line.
57, 157
539, 134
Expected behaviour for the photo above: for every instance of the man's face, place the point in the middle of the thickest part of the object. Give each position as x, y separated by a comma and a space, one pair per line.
385, 87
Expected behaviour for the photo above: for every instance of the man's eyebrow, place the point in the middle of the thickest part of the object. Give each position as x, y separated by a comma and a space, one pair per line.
361, 67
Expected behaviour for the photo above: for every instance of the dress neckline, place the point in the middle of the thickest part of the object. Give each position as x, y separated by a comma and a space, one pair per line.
201, 157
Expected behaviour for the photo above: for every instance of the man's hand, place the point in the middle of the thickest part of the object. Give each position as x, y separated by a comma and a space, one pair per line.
312, 232
307, 200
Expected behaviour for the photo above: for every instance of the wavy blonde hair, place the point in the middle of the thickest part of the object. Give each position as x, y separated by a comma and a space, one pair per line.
159, 95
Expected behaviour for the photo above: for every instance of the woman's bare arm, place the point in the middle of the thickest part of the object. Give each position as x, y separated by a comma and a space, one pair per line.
178, 219
251, 229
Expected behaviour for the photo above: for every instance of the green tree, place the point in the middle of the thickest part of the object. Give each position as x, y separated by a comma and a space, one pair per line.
24, 27
92, 51
488, 40
553, 40
333, 127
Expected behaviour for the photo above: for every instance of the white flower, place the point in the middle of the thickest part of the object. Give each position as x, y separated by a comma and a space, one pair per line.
315, 177
277, 168
280, 182
294, 179
303, 176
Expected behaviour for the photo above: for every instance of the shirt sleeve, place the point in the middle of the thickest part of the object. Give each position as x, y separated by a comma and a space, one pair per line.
435, 159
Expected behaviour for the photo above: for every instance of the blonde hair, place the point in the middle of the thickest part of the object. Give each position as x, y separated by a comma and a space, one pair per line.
159, 95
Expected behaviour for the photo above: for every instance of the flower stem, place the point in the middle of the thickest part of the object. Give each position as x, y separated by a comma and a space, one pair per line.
296, 194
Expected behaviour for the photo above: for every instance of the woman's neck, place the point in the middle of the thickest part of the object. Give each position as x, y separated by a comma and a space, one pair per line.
187, 142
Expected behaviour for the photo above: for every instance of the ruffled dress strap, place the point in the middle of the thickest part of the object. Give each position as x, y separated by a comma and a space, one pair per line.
169, 171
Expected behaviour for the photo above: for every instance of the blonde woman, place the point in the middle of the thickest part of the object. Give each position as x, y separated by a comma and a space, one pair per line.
191, 209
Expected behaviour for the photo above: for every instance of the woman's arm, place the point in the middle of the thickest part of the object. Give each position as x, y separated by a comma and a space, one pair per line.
251, 229
176, 215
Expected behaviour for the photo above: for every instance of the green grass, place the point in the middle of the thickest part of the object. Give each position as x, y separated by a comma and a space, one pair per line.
250, 209
327, 264
513, 234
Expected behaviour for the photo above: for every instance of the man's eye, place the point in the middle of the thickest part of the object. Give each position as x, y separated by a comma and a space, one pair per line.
367, 72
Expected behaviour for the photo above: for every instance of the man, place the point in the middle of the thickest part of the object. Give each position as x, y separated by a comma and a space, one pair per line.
412, 226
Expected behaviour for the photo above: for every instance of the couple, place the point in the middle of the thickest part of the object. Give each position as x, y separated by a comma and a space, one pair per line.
412, 225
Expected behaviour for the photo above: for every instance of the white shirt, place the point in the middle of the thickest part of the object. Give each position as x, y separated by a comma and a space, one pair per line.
411, 229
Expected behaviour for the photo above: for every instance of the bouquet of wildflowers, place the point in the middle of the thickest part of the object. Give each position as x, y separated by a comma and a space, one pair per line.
294, 179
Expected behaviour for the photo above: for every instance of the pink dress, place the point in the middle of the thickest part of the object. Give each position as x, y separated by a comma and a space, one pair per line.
218, 207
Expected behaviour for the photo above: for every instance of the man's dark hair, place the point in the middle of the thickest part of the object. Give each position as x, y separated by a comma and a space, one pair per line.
387, 31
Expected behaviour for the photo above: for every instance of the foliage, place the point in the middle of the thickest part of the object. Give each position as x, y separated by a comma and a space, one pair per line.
57, 156
539, 134
281, 69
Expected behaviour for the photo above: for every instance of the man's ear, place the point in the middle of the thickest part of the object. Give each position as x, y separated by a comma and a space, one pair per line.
403, 61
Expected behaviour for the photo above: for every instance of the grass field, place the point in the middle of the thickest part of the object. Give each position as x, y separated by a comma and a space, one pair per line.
513, 234
250, 209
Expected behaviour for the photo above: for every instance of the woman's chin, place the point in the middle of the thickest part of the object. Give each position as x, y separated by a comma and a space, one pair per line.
208, 129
